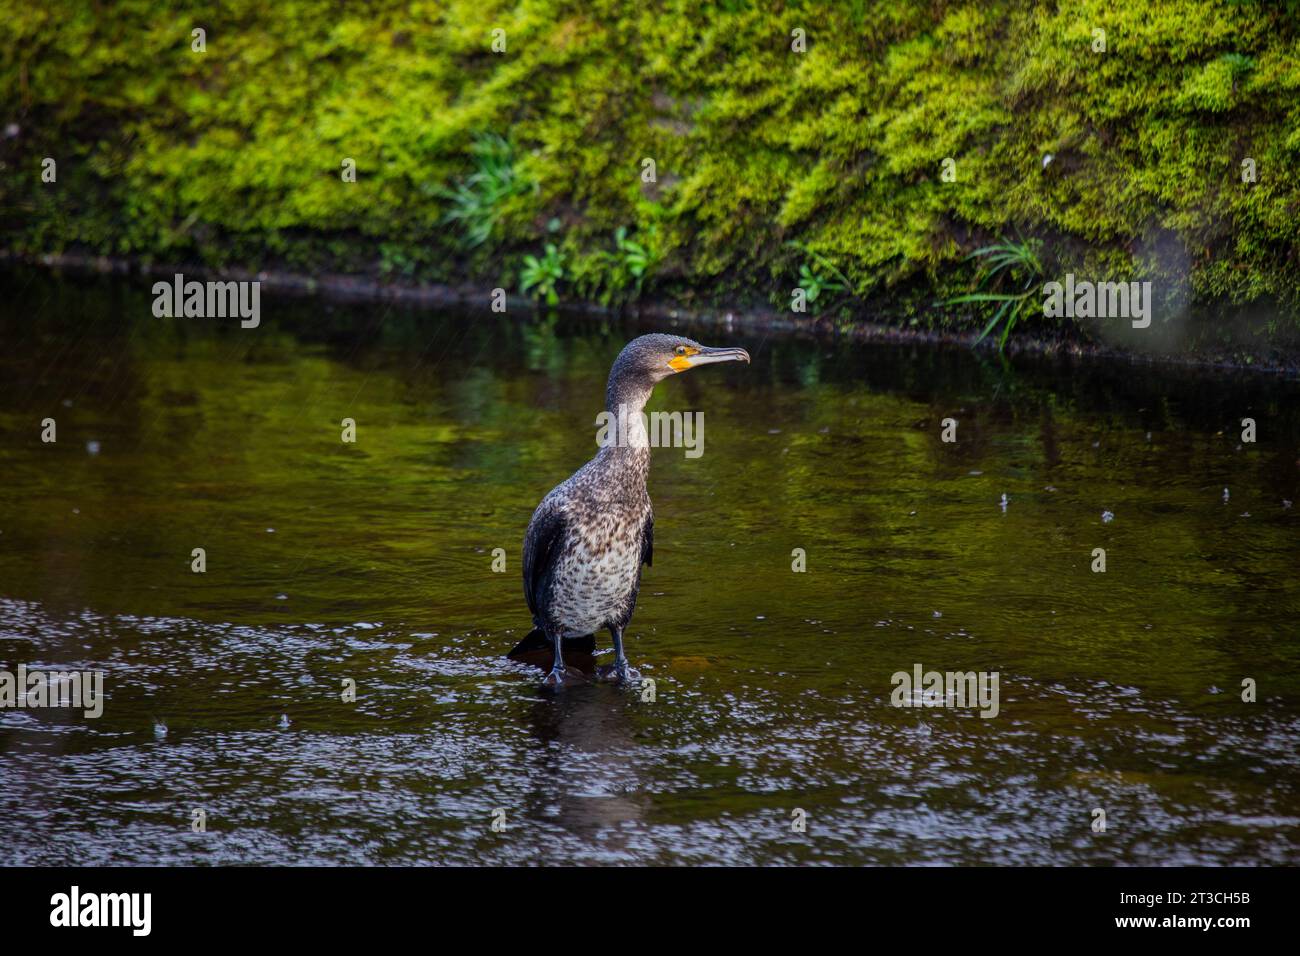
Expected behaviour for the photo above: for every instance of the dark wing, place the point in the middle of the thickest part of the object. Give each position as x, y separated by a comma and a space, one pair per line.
542, 545
648, 539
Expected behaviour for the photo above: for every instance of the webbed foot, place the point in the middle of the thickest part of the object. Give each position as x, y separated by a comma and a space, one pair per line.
563, 676
619, 672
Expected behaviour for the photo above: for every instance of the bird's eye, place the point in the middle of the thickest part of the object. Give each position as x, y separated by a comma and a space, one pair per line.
680, 350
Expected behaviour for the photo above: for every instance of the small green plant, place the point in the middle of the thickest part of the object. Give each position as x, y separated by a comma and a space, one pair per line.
618, 274
818, 275
1010, 277
638, 258
541, 277
393, 260
476, 199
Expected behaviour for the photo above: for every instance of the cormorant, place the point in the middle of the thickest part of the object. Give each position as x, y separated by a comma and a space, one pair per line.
591, 534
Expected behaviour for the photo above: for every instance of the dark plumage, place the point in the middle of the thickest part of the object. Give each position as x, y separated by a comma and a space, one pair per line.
589, 537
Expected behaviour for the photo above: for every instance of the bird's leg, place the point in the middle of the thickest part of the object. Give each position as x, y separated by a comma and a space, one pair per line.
624, 673
556, 676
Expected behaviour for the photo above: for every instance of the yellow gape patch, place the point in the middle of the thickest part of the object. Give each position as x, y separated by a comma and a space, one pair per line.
682, 362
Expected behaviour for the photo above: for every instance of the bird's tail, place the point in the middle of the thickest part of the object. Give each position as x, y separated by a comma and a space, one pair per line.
537, 641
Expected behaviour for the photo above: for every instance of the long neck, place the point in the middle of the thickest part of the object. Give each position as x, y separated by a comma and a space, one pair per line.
626, 390
625, 401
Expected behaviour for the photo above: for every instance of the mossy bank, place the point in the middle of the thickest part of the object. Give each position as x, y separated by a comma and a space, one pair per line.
710, 155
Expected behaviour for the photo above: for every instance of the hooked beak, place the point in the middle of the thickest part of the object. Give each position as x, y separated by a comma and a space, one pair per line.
707, 356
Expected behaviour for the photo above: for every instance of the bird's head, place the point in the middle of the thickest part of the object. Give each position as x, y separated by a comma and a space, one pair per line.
649, 359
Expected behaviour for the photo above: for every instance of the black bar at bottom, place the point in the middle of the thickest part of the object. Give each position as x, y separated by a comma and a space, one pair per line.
334, 905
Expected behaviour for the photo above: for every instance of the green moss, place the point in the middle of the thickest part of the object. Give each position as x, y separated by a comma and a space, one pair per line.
233, 156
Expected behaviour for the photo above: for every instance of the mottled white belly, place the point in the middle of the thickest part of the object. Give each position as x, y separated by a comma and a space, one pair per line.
594, 581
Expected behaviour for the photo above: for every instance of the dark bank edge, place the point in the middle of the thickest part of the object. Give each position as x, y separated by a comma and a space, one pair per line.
352, 288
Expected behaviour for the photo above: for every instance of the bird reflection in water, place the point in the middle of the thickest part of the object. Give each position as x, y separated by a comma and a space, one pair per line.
588, 783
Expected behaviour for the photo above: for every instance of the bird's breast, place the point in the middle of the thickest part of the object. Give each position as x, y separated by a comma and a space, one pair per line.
595, 580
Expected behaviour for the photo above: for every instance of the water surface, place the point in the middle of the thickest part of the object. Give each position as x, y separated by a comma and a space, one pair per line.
373, 562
